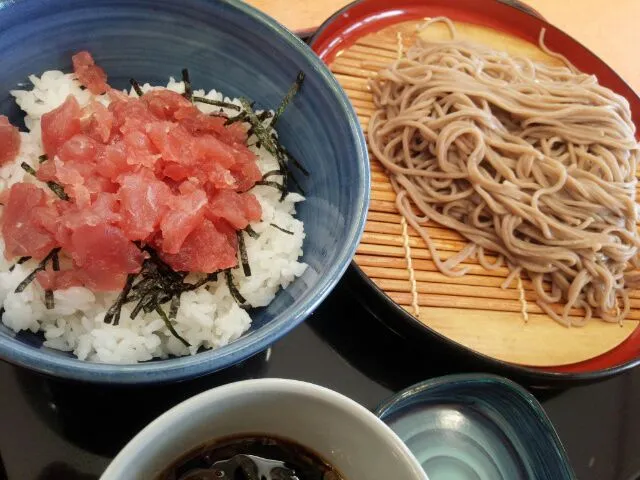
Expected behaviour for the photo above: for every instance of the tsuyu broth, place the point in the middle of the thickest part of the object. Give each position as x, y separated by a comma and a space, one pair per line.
251, 457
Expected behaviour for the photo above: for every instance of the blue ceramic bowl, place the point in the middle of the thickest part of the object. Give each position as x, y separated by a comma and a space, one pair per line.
477, 427
232, 47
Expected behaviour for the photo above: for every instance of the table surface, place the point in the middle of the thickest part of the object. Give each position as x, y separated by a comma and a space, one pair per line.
609, 29
54, 430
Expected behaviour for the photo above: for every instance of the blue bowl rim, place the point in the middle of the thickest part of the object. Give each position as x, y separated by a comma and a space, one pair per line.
387, 407
182, 368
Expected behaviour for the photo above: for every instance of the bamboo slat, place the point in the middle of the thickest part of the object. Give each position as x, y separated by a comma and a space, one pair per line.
472, 309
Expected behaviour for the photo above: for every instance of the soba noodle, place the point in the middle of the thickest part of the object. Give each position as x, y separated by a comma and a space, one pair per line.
532, 163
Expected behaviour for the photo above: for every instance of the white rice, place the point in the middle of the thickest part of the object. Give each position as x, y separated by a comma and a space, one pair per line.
208, 317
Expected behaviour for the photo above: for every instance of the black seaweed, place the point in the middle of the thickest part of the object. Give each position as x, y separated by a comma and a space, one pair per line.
28, 168
48, 299
41, 266
265, 115
238, 118
293, 90
284, 230
298, 165
167, 322
235, 293
174, 307
58, 190
155, 285
20, 261
266, 137
242, 250
216, 103
188, 91
271, 173
251, 232
55, 188
43, 158
48, 294
113, 314
55, 262
136, 86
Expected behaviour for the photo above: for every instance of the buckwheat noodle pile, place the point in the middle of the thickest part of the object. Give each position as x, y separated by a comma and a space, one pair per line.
533, 163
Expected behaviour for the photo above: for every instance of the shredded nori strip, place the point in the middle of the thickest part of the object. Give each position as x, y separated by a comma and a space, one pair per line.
217, 103
264, 115
28, 168
138, 308
155, 285
251, 232
174, 307
43, 158
300, 167
271, 173
48, 299
58, 190
48, 294
55, 188
242, 250
188, 91
235, 293
211, 277
238, 118
113, 314
167, 322
136, 86
268, 141
20, 261
55, 262
41, 266
293, 90
284, 230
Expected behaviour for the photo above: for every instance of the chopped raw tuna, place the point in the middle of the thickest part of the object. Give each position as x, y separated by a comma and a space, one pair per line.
59, 125
22, 228
151, 170
143, 202
186, 212
98, 121
165, 103
9, 141
89, 74
237, 209
104, 256
206, 249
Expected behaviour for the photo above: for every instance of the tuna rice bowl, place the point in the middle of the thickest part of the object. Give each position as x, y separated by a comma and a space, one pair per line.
146, 223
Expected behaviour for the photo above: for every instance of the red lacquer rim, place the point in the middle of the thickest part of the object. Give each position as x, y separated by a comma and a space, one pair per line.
368, 16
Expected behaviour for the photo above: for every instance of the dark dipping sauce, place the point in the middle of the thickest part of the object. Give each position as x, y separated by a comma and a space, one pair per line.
251, 457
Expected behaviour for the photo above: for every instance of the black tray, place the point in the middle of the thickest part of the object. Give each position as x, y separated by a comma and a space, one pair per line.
56, 430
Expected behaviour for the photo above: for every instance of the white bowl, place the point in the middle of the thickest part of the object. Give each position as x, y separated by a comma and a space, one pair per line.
342, 432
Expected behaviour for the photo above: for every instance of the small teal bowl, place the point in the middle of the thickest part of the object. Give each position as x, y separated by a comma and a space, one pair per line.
477, 427
229, 46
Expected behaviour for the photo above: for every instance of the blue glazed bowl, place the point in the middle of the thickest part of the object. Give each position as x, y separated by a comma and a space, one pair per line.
229, 46
477, 427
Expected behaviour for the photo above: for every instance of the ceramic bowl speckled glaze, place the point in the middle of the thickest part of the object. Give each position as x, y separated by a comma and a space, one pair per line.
229, 46
477, 427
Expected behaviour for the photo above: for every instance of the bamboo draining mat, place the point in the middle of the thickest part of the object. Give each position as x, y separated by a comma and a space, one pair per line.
472, 310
